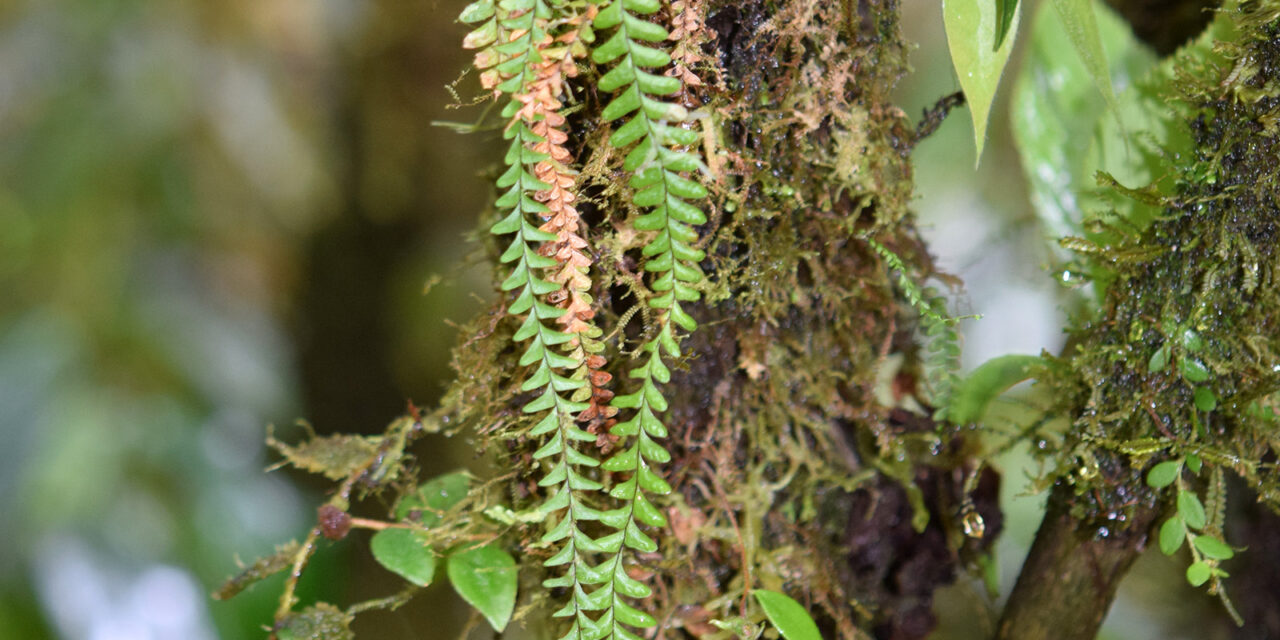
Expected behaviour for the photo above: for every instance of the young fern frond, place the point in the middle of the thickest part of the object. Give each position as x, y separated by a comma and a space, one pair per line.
656, 161
941, 358
538, 184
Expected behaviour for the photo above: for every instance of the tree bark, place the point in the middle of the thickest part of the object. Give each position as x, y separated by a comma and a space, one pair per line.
1071, 574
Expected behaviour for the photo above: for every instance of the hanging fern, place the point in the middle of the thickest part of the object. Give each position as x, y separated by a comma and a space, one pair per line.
522, 59
651, 128
524, 62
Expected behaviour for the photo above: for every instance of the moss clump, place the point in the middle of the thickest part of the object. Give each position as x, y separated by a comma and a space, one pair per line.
1186, 350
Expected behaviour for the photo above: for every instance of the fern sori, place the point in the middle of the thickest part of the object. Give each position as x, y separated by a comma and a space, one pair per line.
656, 162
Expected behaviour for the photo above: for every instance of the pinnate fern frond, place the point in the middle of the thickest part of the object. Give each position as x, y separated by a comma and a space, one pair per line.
659, 164
549, 278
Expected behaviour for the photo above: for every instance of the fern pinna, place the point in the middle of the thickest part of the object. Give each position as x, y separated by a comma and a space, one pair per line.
527, 49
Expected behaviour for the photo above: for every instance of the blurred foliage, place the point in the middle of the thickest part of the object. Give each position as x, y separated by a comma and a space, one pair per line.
165, 169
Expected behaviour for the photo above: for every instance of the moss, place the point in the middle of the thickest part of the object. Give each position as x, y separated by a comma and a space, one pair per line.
1199, 308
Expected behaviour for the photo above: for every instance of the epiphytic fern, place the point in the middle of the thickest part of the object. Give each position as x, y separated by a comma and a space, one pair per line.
527, 48
653, 129
526, 64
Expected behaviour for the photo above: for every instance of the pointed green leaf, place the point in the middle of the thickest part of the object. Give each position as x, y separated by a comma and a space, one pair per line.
1004, 19
1081, 25
404, 552
1056, 108
1191, 509
789, 616
971, 36
477, 11
486, 578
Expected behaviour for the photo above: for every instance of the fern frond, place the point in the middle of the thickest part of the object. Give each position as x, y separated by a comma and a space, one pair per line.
658, 164
549, 278
941, 357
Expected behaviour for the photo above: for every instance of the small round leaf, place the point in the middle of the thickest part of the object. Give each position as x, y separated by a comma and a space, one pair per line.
1205, 399
433, 498
1198, 573
1212, 547
1163, 474
1194, 463
1159, 360
1172, 533
404, 552
789, 616
1193, 370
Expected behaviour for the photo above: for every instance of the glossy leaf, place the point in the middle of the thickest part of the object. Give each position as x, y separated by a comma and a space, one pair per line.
404, 552
1212, 547
1191, 509
1056, 112
1163, 474
789, 616
972, 26
1193, 370
1172, 533
970, 399
486, 578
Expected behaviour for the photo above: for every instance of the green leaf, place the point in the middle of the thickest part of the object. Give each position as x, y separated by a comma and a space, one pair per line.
972, 27
971, 397
1004, 19
1081, 26
1198, 573
1172, 533
789, 616
1191, 341
427, 505
1212, 547
404, 552
1159, 360
1191, 509
1205, 399
486, 578
1194, 463
1193, 370
1163, 474
477, 11
1055, 112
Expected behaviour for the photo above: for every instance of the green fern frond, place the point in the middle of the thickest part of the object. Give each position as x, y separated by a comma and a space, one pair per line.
658, 164
558, 359
941, 356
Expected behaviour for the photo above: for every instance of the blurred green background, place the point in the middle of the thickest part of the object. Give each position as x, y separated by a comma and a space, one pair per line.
219, 215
